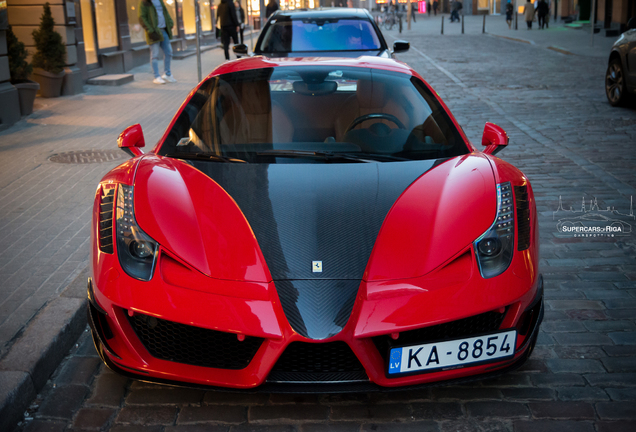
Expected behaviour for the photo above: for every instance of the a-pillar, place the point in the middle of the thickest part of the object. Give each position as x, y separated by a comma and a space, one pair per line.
24, 17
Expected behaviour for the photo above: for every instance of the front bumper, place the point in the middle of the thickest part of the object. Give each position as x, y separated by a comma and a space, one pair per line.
120, 347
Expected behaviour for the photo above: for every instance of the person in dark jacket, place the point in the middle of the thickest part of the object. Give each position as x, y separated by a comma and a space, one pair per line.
272, 7
509, 12
240, 16
157, 22
227, 21
542, 11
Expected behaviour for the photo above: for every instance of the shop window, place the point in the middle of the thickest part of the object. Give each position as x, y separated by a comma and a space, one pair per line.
483, 4
188, 16
88, 26
106, 24
206, 16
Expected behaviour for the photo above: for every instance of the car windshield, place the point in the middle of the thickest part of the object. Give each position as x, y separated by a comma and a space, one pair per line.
286, 35
313, 114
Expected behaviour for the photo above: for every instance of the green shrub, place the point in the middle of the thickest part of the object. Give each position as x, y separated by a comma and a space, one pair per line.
50, 51
19, 68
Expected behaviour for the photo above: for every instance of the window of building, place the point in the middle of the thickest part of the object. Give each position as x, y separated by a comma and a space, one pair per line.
88, 28
206, 15
106, 24
189, 24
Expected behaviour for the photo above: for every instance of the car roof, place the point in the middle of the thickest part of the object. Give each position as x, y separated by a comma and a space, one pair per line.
260, 62
323, 13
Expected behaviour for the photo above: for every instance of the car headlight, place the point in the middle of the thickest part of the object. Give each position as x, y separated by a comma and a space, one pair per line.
495, 247
137, 251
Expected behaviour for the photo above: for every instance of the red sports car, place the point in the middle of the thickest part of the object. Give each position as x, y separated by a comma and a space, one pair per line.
311, 225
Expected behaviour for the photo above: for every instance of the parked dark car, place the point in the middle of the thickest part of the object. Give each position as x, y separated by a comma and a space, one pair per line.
620, 78
338, 32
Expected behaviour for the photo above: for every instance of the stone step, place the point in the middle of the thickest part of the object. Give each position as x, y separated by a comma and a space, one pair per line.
112, 79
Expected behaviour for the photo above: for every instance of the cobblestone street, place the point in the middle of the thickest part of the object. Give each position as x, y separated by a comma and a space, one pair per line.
564, 136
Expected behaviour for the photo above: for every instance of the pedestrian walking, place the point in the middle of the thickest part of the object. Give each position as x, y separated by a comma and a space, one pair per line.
157, 22
240, 16
528, 13
542, 10
229, 25
271, 7
509, 12
428, 8
455, 8
413, 11
435, 4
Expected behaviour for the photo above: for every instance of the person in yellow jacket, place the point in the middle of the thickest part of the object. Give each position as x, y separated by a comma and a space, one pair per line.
156, 20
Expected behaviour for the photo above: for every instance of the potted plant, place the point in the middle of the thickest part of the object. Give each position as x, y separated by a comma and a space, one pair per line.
48, 59
20, 69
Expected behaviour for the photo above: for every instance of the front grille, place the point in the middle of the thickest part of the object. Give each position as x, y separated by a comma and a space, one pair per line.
106, 220
317, 362
167, 340
523, 217
471, 326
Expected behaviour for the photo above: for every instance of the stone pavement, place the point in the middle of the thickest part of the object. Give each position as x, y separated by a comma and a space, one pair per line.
568, 141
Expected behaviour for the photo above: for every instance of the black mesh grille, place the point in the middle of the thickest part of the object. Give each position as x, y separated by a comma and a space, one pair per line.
307, 362
106, 220
196, 346
470, 326
523, 217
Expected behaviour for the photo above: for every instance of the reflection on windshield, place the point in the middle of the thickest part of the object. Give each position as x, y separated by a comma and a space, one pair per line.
314, 114
307, 35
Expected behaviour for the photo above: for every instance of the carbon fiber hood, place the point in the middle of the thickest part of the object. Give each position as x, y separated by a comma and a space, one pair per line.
301, 213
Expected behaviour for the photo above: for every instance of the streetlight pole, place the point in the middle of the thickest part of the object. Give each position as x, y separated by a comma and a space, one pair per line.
197, 21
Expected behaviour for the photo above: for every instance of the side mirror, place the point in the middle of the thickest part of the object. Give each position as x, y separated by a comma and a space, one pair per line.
401, 46
631, 24
240, 49
131, 140
494, 138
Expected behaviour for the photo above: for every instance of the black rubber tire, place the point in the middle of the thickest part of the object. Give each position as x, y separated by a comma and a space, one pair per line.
615, 88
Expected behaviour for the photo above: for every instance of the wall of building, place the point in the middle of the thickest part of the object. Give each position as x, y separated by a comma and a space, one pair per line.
24, 17
9, 103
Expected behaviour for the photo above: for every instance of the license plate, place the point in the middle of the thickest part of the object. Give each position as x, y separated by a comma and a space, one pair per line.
451, 354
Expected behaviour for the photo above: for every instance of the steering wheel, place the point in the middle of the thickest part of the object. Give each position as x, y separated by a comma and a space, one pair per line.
375, 116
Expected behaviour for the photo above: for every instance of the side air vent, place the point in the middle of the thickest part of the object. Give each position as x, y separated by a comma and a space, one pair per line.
523, 217
106, 220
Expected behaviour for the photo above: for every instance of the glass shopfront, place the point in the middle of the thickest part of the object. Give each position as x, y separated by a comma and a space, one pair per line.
88, 26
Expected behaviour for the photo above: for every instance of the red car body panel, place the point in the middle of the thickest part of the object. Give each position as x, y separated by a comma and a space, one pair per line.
211, 273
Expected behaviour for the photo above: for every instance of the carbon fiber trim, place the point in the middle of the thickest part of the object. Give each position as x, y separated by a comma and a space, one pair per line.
315, 212
317, 309
302, 213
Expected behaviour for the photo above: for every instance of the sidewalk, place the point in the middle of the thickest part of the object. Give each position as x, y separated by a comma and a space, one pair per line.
45, 215
557, 36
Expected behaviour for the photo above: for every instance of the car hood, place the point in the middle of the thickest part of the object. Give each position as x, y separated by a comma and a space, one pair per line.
262, 222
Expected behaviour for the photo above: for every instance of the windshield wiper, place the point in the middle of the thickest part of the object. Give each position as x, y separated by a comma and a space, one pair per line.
204, 156
328, 155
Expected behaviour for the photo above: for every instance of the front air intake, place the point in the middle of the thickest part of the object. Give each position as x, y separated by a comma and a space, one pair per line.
523, 217
332, 362
106, 220
181, 343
